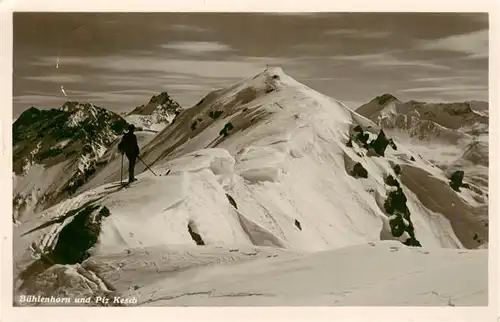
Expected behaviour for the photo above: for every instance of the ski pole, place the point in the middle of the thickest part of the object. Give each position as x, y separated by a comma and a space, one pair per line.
121, 171
146, 165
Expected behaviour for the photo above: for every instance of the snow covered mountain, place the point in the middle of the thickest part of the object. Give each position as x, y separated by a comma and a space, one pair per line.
452, 136
156, 114
56, 150
267, 193
430, 124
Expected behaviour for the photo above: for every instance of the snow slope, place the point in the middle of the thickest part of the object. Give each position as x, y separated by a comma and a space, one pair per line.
280, 183
332, 278
375, 274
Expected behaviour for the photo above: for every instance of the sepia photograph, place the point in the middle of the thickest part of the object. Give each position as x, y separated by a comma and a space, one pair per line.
246, 159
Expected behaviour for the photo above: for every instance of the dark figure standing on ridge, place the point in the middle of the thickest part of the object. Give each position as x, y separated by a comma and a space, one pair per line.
130, 148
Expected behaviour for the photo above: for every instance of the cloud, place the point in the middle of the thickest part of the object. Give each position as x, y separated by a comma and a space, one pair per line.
442, 79
220, 69
450, 88
291, 13
36, 99
197, 47
85, 96
189, 87
474, 44
363, 57
480, 95
187, 28
63, 78
387, 60
114, 97
361, 34
322, 79
145, 80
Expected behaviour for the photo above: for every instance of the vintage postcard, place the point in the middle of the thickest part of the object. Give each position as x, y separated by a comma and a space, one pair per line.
251, 159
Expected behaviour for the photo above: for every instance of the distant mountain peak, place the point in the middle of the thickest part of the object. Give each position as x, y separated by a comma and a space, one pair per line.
161, 102
161, 98
159, 111
385, 98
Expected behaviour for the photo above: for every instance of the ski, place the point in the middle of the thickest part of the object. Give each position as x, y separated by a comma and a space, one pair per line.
119, 185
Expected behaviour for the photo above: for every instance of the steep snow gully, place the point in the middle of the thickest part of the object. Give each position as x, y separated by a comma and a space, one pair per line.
268, 193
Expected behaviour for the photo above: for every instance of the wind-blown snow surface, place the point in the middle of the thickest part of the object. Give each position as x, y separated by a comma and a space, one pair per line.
263, 201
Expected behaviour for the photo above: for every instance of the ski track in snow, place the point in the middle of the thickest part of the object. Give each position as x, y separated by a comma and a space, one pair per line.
286, 169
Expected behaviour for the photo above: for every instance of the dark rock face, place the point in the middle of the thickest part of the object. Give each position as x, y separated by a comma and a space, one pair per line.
231, 200
393, 145
361, 137
298, 225
359, 171
195, 123
396, 202
397, 226
391, 181
412, 241
456, 180
193, 231
214, 114
395, 205
380, 143
227, 127
77, 237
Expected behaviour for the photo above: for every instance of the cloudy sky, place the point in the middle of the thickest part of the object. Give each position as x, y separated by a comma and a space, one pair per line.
119, 60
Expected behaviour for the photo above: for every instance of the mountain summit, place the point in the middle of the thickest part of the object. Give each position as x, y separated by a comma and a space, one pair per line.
280, 179
156, 114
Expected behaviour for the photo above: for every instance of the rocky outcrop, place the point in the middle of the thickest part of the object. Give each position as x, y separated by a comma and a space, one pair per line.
456, 180
358, 171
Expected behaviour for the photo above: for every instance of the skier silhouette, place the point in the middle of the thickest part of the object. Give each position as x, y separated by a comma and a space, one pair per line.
130, 148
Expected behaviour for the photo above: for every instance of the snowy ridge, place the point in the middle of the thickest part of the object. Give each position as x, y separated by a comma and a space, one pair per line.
265, 179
